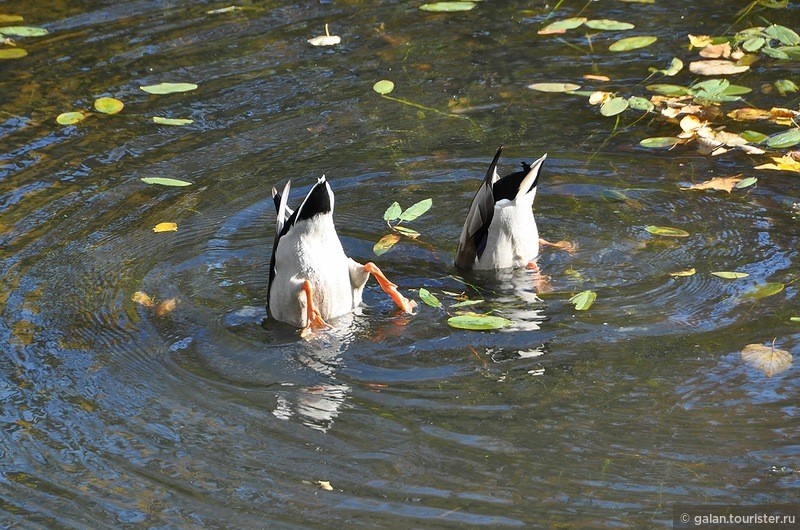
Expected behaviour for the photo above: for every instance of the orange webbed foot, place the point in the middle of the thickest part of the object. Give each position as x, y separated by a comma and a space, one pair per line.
391, 289
314, 319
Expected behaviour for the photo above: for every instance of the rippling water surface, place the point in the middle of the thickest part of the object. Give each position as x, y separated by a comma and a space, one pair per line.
114, 416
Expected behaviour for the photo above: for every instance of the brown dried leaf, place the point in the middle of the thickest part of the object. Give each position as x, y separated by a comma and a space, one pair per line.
715, 51
749, 114
717, 183
768, 359
691, 123
595, 77
167, 306
716, 67
141, 298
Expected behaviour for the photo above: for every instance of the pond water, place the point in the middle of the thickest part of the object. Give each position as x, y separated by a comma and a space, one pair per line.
114, 416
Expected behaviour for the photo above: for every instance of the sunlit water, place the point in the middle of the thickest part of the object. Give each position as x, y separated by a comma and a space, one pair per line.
204, 418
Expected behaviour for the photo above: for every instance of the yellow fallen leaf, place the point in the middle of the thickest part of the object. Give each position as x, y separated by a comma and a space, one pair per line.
599, 97
166, 307
768, 359
691, 123
324, 484
141, 297
699, 41
782, 163
165, 227
680, 274
717, 183
749, 114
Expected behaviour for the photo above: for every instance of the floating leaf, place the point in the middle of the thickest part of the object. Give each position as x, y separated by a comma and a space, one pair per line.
384, 86
782, 33
325, 40
730, 275
141, 297
222, 10
596, 77
754, 137
165, 227
660, 141
324, 484
426, 296
767, 359
774, 53
638, 103
784, 139
172, 121
167, 306
675, 66
407, 232
561, 26
666, 231
632, 43
165, 181
785, 85
11, 18
605, 24
749, 114
22, 31
478, 322
70, 118
168, 88
792, 319
717, 183
782, 163
583, 300
682, 274
416, 210
716, 67
447, 7
108, 105
753, 44
747, 182
554, 87
599, 97
669, 90
614, 106
699, 41
466, 303
765, 290
392, 212
385, 243
12, 53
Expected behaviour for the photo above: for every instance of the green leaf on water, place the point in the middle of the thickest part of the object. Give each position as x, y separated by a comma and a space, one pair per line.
753, 44
632, 43
613, 195
466, 303
754, 137
669, 90
12, 53
554, 87
783, 34
70, 118
730, 275
384, 86
385, 243
583, 300
10, 18
162, 181
172, 121
775, 53
660, 141
22, 31
392, 212
675, 66
413, 234
168, 88
666, 231
765, 290
478, 322
447, 7
785, 85
416, 210
560, 26
746, 182
108, 105
639, 103
784, 139
426, 296
613, 106
605, 24
794, 319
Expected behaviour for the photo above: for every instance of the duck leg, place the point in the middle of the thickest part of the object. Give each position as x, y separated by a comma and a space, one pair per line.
391, 289
314, 319
561, 245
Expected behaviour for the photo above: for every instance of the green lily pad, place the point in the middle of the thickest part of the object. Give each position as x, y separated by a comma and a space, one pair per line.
632, 43
784, 139
753, 44
22, 31
70, 118
168, 88
447, 7
559, 26
730, 275
429, 299
108, 105
384, 86
765, 290
605, 24
746, 182
781, 33
639, 103
754, 137
613, 106
659, 141
162, 181
554, 87
12, 53
583, 300
669, 90
478, 322
666, 231
172, 121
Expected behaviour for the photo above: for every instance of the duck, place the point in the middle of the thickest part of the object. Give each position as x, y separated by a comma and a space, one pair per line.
500, 231
311, 280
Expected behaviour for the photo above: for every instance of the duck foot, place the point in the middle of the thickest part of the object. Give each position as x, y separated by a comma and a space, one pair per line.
314, 319
560, 245
391, 289
541, 282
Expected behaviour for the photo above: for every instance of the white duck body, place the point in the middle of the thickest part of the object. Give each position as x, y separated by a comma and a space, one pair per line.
500, 231
513, 239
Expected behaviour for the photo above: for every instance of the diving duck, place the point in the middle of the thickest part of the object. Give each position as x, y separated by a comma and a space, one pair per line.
500, 231
311, 280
